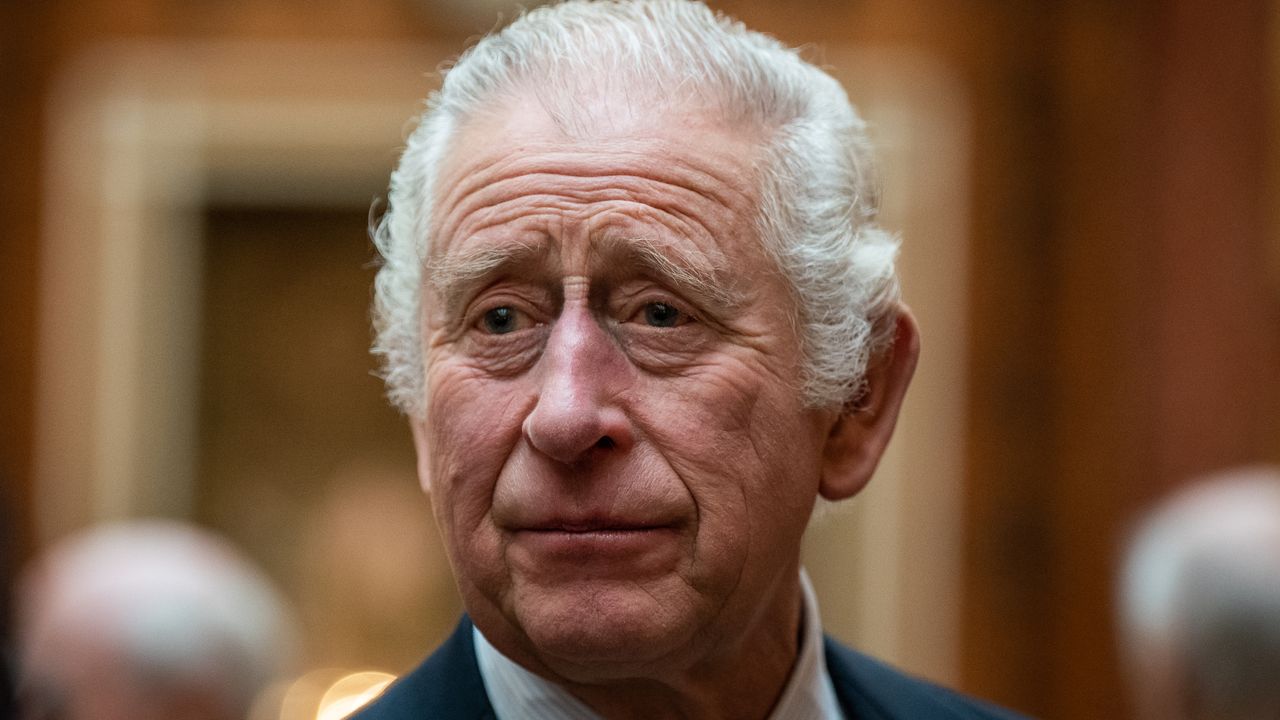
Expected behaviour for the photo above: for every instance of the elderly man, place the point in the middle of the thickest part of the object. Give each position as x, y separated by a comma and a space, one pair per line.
1200, 601
637, 308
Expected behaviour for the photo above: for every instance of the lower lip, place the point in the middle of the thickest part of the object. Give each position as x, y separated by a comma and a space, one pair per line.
580, 545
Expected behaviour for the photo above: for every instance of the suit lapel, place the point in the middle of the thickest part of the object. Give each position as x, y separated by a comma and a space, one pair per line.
447, 686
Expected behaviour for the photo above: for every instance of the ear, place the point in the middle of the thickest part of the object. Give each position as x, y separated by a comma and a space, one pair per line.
861, 433
419, 427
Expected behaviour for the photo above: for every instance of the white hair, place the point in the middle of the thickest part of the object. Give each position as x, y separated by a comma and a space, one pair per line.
1200, 592
819, 193
174, 608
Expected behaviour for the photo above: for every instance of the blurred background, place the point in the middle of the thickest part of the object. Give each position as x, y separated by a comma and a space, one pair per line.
1087, 196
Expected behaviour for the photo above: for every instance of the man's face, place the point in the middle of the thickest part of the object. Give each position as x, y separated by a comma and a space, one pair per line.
616, 446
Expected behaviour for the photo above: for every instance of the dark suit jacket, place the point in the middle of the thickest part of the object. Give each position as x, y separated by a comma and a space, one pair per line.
448, 687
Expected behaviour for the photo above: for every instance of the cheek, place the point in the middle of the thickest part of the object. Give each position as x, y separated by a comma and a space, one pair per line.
747, 453
735, 416
472, 425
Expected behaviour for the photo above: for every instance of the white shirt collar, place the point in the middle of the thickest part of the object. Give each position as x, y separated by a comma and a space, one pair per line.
517, 693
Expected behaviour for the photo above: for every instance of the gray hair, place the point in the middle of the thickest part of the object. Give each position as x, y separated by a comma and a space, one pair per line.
1200, 592
819, 192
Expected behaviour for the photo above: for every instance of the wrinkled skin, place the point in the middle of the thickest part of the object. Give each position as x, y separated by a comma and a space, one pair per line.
619, 457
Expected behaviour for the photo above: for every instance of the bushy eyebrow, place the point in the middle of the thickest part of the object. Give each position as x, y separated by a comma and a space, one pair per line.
454, 277
684, 272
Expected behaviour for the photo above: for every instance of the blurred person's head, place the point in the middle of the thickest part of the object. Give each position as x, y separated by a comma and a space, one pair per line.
148, 619
7, 573
1200, 601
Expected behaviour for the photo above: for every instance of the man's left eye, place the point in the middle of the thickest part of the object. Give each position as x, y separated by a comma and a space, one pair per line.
660, 314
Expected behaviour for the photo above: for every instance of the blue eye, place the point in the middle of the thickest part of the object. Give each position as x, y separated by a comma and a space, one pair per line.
500, 320
660, 314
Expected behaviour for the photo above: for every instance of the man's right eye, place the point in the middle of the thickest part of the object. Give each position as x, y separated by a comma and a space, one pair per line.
500, 320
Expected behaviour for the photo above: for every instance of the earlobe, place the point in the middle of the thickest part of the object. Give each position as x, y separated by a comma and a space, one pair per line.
420, 445
861, 433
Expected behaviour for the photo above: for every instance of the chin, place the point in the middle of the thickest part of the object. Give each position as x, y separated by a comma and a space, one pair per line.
592, 633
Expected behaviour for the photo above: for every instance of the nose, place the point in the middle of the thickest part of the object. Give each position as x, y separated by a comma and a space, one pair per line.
583, 375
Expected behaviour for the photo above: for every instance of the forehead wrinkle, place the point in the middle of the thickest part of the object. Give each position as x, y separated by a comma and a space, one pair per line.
685, 271
716, 178
490, 200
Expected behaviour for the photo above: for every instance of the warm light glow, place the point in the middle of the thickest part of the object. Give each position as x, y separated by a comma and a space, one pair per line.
350, 693
303, 695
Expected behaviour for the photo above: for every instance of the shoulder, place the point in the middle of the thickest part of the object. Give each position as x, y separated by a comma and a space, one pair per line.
447, 685
869, 688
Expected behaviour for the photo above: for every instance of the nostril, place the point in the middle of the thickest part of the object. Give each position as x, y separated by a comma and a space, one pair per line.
605, 442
